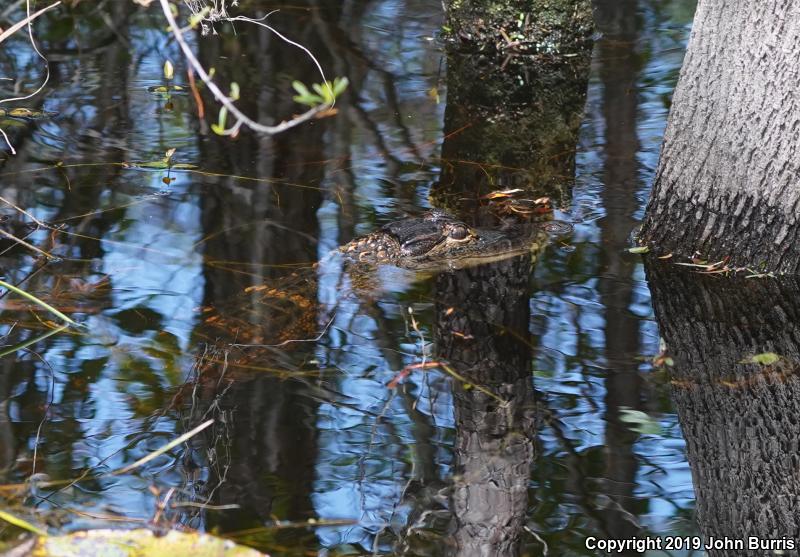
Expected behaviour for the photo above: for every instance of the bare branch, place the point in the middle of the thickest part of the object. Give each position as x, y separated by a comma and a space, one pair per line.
20, 24
222, 98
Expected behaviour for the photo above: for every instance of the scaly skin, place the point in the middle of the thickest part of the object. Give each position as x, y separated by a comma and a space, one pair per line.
437, 240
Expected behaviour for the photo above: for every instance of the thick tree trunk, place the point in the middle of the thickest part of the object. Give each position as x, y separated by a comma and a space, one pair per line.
740, 420
515, 127
483, 315
521, 26
510, 126
726, 184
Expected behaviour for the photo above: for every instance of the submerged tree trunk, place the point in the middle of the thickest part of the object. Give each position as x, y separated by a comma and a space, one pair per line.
739, 419
482, 330
726, 184
508, 124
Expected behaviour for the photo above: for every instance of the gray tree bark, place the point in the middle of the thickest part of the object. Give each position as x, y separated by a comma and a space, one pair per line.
739, 419
726, 184
482, 327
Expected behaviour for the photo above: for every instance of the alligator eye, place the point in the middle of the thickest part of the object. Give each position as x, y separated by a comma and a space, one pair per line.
459, 232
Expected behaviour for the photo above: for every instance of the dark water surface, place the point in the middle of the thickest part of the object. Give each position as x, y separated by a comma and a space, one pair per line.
322, 429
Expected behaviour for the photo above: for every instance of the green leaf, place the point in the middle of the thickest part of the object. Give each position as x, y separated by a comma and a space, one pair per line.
639, 421
219, 127
764, 359
326, 93
301, 89
234, 91
322, 92
639, 249
310, 100
339, 85
195, 19
169, 71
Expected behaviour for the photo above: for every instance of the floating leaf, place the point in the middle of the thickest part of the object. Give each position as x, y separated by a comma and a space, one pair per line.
502, 194
130, 543
26, 113
639, 249
159, 165
169, 88
764, 359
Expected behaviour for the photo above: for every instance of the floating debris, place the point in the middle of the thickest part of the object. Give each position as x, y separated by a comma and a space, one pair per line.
165, 163
26, 113
168, 89
159, 165
125, 543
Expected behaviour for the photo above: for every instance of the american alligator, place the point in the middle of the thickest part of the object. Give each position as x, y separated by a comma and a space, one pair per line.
436, 241
287, 308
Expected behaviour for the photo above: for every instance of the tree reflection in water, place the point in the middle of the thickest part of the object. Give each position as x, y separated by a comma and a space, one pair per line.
741, 420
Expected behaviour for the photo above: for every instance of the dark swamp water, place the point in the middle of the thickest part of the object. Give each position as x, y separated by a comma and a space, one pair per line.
165, 277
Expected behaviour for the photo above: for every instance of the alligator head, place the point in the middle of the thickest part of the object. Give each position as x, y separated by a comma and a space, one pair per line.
436, 240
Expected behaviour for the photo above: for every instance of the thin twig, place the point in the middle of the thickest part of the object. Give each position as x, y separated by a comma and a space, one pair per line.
8, 142
10, 31
222, 98
22, 242
22, 23
23, 211
288, 41
172, 444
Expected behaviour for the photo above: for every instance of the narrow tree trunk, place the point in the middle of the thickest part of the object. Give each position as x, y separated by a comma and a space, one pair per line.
740, 420
726, 184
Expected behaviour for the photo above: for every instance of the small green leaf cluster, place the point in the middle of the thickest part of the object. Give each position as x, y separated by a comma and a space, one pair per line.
219, 127
326, 93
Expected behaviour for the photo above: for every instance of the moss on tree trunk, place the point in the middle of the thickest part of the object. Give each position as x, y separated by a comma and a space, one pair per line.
521, 26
